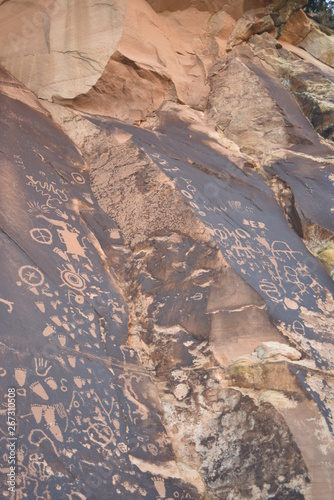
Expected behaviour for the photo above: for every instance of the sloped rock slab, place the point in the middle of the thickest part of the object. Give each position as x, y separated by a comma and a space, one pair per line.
86, 411
250, 229
313, 186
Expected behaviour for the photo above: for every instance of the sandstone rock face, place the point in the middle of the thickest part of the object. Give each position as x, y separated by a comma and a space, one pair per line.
297, 28
89, 51
303, 32
320, 46
166, 291
59, 48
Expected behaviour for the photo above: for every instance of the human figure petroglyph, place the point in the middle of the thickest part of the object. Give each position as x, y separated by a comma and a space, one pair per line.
275, 273
25, 481
38, 467
69, 237
306, 273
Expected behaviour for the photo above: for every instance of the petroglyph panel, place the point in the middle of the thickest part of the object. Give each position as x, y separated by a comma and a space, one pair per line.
87, 409
243, 218
264, 250
170, 397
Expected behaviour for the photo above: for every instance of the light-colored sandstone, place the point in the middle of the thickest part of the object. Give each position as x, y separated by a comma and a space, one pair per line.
319, 45
297, 28
59, 48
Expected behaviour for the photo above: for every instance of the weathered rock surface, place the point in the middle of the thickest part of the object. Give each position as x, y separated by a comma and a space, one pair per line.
303, 32
59, 49
167, 309
92, 55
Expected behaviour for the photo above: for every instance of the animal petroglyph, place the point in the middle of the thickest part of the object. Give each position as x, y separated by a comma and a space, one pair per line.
69, 237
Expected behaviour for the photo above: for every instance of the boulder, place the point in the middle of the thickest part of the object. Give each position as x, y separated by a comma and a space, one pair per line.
268, 350
319, 45
297, 28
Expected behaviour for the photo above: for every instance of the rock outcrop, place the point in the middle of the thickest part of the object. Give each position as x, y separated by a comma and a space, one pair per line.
167, 240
